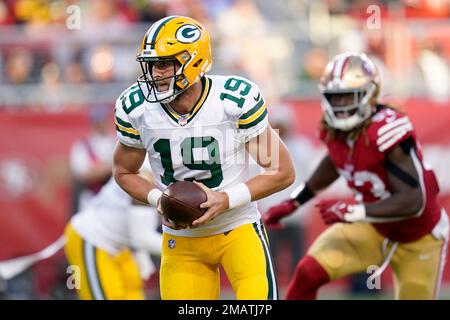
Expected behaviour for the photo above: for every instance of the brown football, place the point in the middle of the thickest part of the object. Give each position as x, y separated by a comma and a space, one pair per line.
180, 202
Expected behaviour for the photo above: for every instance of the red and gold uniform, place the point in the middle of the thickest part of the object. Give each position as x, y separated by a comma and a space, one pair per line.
420, 242
396, 219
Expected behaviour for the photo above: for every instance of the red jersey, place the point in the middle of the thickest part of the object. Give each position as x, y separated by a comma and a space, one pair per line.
362, 164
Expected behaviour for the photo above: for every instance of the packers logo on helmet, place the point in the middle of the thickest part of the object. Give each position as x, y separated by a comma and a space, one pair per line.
182, 41
188, 33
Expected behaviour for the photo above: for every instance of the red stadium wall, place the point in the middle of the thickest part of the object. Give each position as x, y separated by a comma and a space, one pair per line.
35, 179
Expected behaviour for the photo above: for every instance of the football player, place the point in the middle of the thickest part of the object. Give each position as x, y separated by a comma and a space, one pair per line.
395, 218
107, 246
200, 128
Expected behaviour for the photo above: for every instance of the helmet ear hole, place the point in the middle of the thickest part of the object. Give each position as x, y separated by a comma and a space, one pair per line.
183, 82
185, 56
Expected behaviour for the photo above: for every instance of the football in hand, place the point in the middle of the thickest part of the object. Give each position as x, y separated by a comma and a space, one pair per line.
181, 201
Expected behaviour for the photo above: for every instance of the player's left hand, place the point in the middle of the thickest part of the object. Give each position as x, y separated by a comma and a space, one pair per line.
216, 203
333, 211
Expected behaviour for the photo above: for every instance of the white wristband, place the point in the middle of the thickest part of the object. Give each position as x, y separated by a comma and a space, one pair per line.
153, 196
238, 195
357, 212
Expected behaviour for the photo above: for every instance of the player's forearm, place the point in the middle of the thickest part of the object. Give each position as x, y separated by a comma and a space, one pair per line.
406, 200
134, 184
270, 182
127, 163
323, 176
270, 153
399, 206
278, 175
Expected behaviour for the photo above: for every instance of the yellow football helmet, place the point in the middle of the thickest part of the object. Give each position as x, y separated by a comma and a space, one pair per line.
181, 40
350, 86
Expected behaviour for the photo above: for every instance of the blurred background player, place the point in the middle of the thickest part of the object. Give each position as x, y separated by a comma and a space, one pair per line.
108, 246
201, 128
395, 218
91, 157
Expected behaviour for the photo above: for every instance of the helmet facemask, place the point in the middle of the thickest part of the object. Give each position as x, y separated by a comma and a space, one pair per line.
347, 109
178, 82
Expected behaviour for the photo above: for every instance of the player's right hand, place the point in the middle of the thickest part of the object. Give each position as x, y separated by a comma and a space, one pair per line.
164, 220
273, 216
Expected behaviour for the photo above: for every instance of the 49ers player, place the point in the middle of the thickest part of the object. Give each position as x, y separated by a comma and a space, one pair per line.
395, 219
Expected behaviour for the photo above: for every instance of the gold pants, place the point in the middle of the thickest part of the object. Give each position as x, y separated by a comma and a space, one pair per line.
102, 275
345, 249
190, 266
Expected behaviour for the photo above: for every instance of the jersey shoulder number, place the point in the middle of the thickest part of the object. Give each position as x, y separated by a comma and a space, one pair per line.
243, 101
389, 128
127, 131
131, 98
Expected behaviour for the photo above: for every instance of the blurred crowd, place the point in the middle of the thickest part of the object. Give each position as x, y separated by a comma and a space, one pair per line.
64, 54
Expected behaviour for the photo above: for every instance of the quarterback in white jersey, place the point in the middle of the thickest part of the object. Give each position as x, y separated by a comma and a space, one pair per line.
201, 128
210, 148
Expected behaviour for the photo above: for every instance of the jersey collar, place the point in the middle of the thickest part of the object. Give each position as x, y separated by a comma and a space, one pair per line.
184, 119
